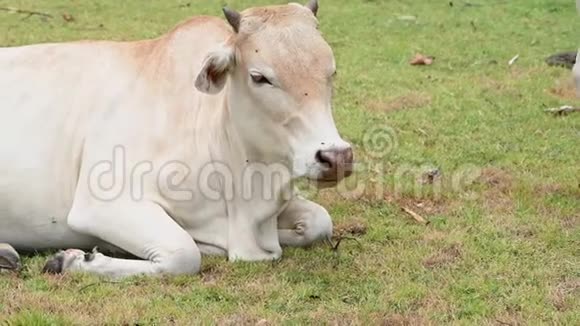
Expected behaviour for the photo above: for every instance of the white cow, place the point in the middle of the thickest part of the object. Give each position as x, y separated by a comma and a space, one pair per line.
169, 148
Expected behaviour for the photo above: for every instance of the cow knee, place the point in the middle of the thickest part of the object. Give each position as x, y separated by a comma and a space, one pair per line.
180, 261
317, 225
308, 227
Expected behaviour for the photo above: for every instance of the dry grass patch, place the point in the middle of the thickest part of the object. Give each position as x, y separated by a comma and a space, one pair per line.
547, 189
491, 84
346, 317
522, 232
423, 205
17, 301
550, 189
564, 89
497, 197
497, 179
341, 320
525, 73
403, 320
212, 275
433, 236
571, 222
444, 257
412, 100
509, 319
243, 319
563, 292
355, 227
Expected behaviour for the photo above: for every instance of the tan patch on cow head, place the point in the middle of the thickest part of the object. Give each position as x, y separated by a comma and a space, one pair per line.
161, 61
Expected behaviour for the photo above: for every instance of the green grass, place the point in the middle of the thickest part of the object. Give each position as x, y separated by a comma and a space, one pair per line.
503, 246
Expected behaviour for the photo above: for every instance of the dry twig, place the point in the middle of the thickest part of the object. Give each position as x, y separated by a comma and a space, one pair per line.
563, 110
334, 248
513, 60
415, 216
25, 12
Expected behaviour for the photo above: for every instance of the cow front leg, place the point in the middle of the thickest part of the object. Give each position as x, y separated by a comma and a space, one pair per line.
303, 223
142, 229
9, 258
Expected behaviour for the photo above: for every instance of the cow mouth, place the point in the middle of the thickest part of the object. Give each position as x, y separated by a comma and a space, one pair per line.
329, 179
323, 184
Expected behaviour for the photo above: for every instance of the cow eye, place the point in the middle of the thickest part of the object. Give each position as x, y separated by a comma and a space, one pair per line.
260, 79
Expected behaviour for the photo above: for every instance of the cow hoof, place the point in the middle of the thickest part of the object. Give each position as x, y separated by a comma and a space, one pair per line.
9, 258
61, 261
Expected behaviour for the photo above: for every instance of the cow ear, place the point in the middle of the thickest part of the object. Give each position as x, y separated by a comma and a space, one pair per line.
313, 6
214, 72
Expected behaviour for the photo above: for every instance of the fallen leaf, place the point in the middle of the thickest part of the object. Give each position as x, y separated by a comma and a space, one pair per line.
513, 60
415, 216
407, 18
68, 18
422, 60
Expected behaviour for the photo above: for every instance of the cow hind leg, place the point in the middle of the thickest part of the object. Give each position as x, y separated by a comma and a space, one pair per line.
303, 223
9, 258
142, 229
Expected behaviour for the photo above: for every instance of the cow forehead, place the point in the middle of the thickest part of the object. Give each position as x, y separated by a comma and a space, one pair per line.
255, 18
287, 40
297, 45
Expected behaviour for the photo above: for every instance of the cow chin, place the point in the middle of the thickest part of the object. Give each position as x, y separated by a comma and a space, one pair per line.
325, 184
330, 181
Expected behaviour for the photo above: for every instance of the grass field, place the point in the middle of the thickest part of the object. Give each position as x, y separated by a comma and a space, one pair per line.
503, 245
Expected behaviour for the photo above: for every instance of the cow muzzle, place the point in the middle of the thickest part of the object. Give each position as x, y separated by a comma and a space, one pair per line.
337, 163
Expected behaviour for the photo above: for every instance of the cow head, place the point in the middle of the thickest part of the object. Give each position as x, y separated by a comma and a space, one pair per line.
280, 72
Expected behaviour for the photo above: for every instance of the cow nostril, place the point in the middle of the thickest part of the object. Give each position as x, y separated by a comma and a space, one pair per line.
323, 159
